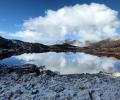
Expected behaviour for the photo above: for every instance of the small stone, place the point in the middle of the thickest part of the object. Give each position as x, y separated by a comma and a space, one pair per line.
35, 91
94, 95
83, 86
19, 92
58, 88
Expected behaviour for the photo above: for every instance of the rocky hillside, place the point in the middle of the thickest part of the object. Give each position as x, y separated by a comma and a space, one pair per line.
15, 47
17, 44
7, 44
104, 48
65, 47
29, 82
108, 43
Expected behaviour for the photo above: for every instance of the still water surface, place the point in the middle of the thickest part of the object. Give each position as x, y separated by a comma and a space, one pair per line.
67, 63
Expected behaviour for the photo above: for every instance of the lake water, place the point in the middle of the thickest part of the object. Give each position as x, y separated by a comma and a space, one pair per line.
67, 63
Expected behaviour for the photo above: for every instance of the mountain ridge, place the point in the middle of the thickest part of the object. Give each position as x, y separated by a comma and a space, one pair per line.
107, 47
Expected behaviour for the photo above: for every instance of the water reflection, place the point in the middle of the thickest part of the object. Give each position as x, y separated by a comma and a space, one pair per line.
68, 63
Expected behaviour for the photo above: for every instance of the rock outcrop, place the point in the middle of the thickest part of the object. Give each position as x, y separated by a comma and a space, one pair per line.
23, 83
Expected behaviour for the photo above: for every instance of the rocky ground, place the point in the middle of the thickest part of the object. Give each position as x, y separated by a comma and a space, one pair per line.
28, 82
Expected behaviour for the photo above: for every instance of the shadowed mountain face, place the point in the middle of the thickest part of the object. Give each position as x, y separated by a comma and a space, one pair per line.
17, 44
7, 44
20, 46
15, 47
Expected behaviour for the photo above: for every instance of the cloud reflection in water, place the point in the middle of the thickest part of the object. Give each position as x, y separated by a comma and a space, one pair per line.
69, 63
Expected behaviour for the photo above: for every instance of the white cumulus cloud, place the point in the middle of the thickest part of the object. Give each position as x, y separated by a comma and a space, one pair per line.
91, 22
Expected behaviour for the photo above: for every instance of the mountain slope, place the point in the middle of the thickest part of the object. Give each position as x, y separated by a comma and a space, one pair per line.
17, 44
103, 48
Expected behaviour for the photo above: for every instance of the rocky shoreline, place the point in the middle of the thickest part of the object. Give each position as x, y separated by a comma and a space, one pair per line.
29, 82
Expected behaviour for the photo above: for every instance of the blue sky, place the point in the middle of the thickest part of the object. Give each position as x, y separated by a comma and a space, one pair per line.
14, 12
